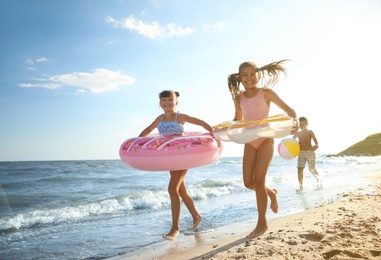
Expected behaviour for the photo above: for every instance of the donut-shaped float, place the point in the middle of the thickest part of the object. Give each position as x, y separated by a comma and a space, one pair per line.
246, 131
169, 153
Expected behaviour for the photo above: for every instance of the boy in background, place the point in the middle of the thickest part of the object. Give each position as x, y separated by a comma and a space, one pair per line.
307, 152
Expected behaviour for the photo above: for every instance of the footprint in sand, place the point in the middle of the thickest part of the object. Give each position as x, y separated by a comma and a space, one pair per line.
360, 254
316, 237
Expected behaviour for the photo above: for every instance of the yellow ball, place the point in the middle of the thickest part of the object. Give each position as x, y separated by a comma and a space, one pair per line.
288, 148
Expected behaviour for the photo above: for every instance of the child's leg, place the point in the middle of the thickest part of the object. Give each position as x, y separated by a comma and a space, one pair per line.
272, 193
249, 176
311, 159
188, 201
177, 178
301, 164
263, 159
300, 178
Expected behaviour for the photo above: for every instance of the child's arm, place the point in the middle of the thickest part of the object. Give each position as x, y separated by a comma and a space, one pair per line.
273, 97
182, 118
316, 146
150, 128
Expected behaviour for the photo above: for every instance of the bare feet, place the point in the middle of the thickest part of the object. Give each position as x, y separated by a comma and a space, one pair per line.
258, 231
172, 234
196, 221
299, 190
274, 202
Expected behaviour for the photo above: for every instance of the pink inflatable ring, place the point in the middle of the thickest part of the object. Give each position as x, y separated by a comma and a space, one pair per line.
169, 153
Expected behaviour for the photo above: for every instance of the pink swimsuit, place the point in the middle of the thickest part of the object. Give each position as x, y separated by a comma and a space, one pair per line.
255, 108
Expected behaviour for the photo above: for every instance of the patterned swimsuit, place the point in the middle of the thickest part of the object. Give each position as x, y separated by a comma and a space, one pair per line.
170, 128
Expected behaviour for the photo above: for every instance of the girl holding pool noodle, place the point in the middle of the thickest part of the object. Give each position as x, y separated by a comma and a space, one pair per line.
254, 104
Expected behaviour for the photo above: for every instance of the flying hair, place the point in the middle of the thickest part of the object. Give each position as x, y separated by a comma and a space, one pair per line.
267, 75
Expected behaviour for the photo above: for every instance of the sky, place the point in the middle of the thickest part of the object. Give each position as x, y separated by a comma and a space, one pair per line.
78, 77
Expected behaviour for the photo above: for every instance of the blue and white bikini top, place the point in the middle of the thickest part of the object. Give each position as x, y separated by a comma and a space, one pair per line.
170, 128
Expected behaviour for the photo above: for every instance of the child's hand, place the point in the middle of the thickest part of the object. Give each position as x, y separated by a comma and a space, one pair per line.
295, 128
217, 141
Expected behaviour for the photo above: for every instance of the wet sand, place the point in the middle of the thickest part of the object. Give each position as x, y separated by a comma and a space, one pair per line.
347, 229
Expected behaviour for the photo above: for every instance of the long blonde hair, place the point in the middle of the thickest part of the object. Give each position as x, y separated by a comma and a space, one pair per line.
268, 75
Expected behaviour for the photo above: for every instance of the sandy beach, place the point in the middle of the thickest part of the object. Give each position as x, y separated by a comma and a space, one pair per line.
348, 229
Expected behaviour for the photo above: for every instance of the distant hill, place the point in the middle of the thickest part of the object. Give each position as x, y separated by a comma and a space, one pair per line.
370, 146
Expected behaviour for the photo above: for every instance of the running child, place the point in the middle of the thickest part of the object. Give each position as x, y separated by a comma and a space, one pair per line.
253, 103
171, 123
307, 152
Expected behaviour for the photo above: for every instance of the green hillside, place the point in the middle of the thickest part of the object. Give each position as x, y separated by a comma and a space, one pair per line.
370, 146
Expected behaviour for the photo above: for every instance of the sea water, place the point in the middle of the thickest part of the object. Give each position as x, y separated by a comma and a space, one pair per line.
98, 209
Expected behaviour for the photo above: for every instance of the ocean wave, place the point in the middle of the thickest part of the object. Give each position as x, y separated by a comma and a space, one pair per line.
130, 203
41, 217
215, 187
